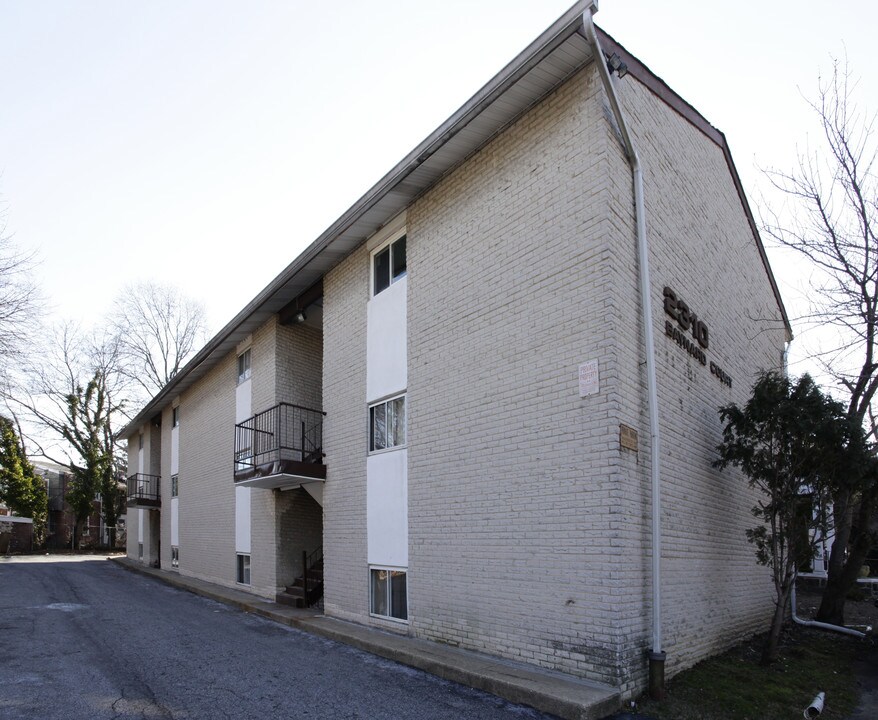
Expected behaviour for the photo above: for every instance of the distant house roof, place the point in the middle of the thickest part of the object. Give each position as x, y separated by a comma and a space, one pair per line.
545, 64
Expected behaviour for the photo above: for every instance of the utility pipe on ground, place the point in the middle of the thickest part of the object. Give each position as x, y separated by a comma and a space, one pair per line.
820, 625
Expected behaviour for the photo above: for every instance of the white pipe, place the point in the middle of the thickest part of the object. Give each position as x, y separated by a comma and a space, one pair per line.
816, 706
821, 625
651, 385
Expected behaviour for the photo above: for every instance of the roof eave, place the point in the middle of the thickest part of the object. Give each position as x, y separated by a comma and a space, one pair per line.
565, 27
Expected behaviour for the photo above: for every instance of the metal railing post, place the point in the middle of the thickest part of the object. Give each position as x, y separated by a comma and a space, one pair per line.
305, 579
302, 443
278, 438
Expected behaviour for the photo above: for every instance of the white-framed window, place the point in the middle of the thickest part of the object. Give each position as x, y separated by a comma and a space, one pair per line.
388, 265
244, 366
388, 593
243, 574
387, 424
175, 417
175, 486
175, 556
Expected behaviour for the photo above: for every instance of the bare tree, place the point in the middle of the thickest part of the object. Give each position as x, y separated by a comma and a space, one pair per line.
159, 329
76, 394
834, 198
20, 301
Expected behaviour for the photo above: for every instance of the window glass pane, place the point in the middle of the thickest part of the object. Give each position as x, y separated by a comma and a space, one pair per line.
382, 270
398, 601
244, 366
379, 427
244, 569
399, 258
397, 414
378, 592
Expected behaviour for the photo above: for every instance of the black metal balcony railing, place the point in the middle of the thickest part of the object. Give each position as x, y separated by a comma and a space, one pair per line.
144, 490
283, 440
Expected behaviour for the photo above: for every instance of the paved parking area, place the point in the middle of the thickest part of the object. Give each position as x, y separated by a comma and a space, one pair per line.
83, 638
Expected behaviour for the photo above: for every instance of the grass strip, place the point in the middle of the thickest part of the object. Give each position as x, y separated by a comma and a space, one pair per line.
734, 686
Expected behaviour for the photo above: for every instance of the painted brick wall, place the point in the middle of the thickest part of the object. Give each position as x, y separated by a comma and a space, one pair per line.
702, 247
152, 465
346, 290
131, 523
263, 365
299, 372
287, 366
165, 472
263, 546
297, 516
528, 524
513, 546
207, 492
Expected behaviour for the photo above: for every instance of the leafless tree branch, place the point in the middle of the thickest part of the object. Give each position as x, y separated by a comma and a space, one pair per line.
158, 330
832, 195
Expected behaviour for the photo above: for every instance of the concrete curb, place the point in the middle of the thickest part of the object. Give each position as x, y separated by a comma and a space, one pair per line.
549, 692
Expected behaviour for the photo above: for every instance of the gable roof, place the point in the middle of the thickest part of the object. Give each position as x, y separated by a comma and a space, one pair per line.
544, 65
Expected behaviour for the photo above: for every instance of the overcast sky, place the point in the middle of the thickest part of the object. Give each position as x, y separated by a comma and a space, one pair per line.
207, 142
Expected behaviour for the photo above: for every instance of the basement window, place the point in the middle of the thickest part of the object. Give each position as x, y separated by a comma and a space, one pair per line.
388, 593
243, 575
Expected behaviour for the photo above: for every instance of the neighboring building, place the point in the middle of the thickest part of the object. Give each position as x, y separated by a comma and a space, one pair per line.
16, 533
61, 519
442, 402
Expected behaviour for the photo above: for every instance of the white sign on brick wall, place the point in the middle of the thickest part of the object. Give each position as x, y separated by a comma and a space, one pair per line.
589, 383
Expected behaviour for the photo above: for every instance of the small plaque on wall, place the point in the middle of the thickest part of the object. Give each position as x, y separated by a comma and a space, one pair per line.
628, 437
589, 383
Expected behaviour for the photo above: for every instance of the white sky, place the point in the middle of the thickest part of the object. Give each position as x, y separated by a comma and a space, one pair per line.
207, 142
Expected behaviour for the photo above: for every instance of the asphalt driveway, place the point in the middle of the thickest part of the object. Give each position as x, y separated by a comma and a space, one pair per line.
83, 638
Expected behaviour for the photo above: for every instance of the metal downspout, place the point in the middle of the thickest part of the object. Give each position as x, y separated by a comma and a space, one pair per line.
657, 656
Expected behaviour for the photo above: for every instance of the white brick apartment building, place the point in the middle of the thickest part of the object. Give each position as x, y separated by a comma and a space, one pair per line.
446, 395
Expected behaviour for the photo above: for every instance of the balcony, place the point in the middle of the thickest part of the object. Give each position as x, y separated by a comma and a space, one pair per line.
280, 448
144, 491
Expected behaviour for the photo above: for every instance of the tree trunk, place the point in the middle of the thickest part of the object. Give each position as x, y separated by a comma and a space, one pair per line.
832, 603
772, 642
843, 574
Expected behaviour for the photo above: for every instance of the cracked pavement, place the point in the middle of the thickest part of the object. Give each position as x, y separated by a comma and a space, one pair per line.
83, 638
